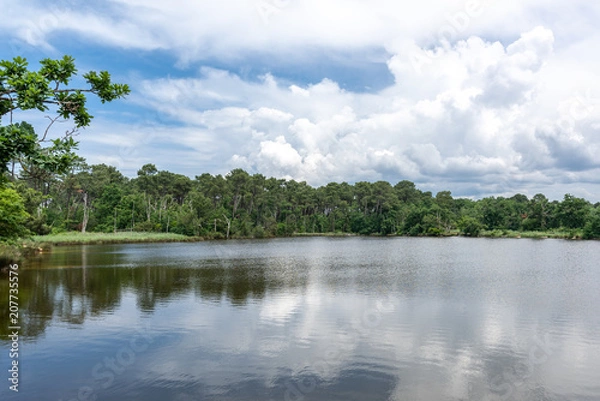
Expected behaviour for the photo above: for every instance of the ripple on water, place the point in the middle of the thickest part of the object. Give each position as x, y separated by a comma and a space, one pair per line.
321, 319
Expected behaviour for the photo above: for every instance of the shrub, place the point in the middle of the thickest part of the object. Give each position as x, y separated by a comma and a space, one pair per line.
470, 226
147, 226
13, 216
591, 230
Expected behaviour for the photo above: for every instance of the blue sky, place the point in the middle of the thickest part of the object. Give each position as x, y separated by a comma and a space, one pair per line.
477, 97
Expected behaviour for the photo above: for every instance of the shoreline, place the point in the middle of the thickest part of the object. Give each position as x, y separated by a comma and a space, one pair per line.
21, 249
77, 238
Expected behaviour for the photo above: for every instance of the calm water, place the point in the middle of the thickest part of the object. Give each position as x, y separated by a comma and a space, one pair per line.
310, 319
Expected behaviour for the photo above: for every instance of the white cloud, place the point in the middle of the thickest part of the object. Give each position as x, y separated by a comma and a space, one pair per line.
477, 103
280, 157
196, 30
488, 119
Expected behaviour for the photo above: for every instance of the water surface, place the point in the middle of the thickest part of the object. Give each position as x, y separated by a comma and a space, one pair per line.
311, 319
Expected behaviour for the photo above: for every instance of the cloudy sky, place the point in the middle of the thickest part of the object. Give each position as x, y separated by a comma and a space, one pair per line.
480, 97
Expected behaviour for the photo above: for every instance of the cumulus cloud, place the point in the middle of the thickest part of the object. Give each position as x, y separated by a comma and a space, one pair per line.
230, 29
471, 113
477, 105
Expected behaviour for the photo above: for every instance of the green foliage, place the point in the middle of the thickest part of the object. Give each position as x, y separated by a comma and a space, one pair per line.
33, 202
56, 158
75, 238
146, 226
46, 90
241, 205
15, 140
42, 158
12, 214
573, 212
24, 89
414, 222
537, 218
470, 226
591, 230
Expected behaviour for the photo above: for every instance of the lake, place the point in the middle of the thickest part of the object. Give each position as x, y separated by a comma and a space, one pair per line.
309, 319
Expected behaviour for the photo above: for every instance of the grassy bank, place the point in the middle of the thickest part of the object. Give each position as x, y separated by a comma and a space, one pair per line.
572, 234
336, 234
77, 238
556, 234
9, 254
17, 250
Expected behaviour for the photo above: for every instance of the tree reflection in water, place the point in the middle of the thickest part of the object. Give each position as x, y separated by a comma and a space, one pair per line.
74, 284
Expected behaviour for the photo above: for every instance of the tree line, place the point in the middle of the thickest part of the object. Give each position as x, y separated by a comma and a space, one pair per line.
239, 204
46, 187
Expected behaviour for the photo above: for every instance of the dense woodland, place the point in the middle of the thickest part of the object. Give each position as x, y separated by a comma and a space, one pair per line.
46, 187
100, 198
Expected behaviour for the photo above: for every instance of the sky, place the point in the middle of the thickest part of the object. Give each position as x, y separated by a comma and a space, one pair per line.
479, 97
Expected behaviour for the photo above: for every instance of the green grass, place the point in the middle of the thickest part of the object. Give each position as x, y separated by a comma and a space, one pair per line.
15, 251
336, 234
9, 254
77, 238
560, 234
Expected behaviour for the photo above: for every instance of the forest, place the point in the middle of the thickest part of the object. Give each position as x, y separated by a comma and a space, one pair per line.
45, 187
98, 198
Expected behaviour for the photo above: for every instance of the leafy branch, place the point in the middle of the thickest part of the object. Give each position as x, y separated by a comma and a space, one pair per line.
46, 88
25, 90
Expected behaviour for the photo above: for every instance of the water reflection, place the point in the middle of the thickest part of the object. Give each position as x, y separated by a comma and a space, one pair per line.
316, 319
74, 293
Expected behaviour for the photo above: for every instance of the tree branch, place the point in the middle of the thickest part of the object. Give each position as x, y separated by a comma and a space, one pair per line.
52, 121
72, 132
11, 91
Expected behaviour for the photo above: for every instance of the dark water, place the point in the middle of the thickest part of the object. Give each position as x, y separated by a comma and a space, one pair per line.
310, 319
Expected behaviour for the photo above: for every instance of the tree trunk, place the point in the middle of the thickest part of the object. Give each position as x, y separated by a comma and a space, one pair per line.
132, 216
148, 208
228, 225
86, 212
68, 204
236, 202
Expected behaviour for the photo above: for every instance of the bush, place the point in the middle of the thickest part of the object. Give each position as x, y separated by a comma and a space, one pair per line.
147, 226
591, 230
38, 226
57, 230
13, 216
415, 230
259, 232
470, 226
434, 232
9, 254
216, 235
